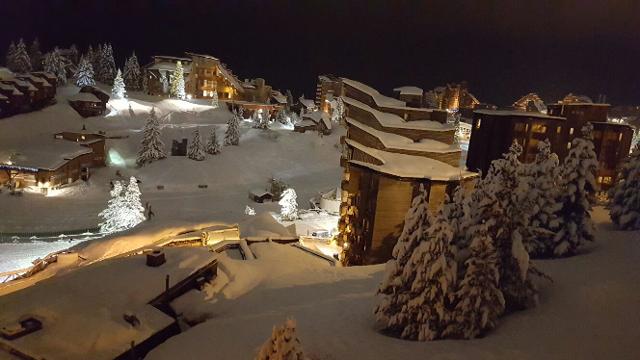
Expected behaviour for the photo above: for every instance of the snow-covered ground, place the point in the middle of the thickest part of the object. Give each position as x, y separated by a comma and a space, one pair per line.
588, 312
307, 162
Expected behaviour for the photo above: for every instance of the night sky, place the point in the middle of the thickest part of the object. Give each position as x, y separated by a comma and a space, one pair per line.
503, 49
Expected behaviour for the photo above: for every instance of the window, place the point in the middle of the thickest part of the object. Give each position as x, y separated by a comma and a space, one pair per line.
478, 123
620, 137
539, 128
571, 131
568, 145
558, 129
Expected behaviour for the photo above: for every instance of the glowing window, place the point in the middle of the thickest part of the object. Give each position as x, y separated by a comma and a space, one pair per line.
571, 131
478, 123
568, 145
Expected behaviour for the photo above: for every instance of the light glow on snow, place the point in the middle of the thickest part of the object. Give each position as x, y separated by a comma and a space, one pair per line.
115, 158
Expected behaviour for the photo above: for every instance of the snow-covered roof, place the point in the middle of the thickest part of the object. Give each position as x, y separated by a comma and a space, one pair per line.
85, 96
318, 116
409, 90
22, 83
306, 123
169, 66
308, 103
5, 73
229, 76
409, 166
260, 192
205, 56
171, 57
11, 88
378, 98
393, 120
82, 313
516, 113
395, 141
2, 97
46, 74
48, 155
278, 96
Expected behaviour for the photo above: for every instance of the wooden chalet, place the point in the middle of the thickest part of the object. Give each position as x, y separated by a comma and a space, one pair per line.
612, 142
411, 95
161, 68
386, 159
90, 101
45, 92
260, 195
16, 102
314, 121
26, 92
97, 143
327, 88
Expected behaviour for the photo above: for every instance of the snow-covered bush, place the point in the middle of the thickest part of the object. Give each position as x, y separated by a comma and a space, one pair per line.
283, 344
214, 100
18, 58
196, 149
213, 146
288, 205
625, 195
578, 190
248, 210
478, 299
56, 64
152, 147
177, 82
124, 209
118, 90
232, 134
84, 74
107, 65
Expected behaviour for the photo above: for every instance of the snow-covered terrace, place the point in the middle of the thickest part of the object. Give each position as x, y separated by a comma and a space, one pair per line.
82, 311
318, 116
395, 141
409, 166
379, 99
169, 66
85, 96
394, 121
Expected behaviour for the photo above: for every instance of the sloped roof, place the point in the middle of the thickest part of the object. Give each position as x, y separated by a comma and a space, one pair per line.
409, 90
379, 99
85, 96
318, 116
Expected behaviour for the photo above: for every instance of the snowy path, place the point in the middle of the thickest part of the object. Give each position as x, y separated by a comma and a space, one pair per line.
589, 312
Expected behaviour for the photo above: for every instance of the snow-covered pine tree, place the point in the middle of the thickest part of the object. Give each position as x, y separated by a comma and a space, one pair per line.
111, 215
213, 146
454, 212
152, 147
124, 209
288, 205
132, 74
118, 90
395, 287
434, 268
289, 99
624, 205
196, 148
10, 59
35, 55
339, 110
283, 344
260, 119
164, 81
84, 74
214, 99
544, 180
96, 59
232, 134
73, 54
248, 210
508, 225
21, 61
55, 64
478, 299
107, 65
578, 191
177, 82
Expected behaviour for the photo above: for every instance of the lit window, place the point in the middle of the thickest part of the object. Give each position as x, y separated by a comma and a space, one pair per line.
558, 129
571, 131
478, 123
620, 137
568, 145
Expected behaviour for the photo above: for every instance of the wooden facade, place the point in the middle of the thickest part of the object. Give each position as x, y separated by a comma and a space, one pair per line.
384, 167
493, 131
26, 92
90, 101
577, 115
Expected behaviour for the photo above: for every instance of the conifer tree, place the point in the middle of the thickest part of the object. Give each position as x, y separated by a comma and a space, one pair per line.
544, 179
283, 344
21, 61
107, 65
454, 212
578, 190
73, 54
478, 299
288, 205
624, 196
84, 74
232, 134
132, 74
10, 60
396, 285
35, 55
96, 59
508, 224
213, 146
110, 215
214, 99
196, 148
431, 293
54, 63
152, 147
164, 81
177, 82
124, 209
118, 90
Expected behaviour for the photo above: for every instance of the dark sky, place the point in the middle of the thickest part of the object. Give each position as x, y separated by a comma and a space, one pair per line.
504, 48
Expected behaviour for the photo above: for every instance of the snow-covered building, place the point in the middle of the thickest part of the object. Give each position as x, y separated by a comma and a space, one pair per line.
90, 101
411, 95
328, 87
115, 309
25, 92
389, 151
158, 72
530, 102
314, 121
451, 97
